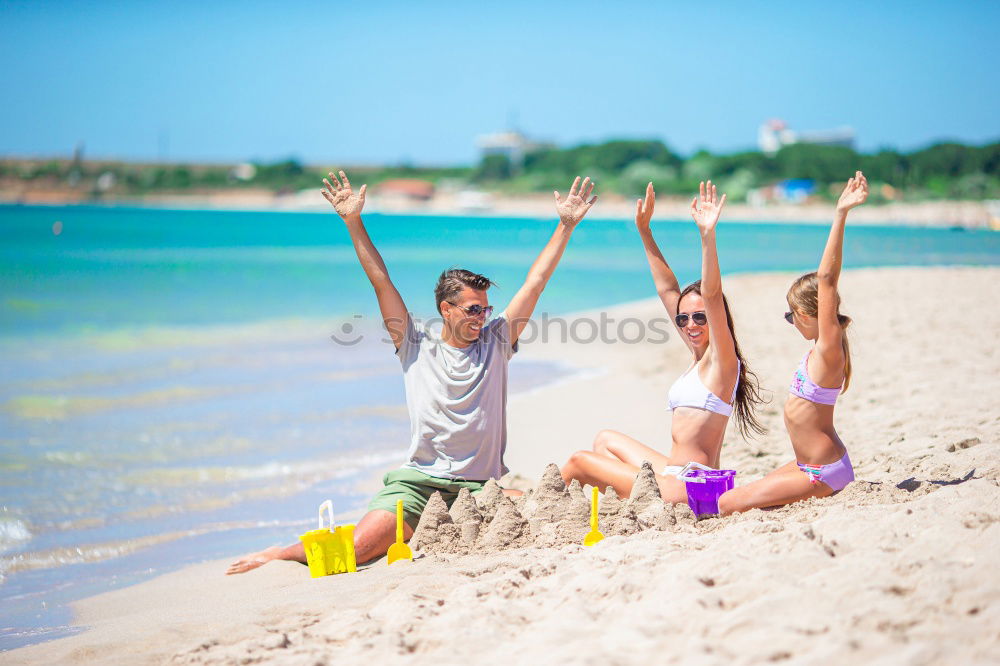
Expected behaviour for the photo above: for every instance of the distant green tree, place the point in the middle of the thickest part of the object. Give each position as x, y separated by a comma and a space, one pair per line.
180, 177
551, 160
738, 184
700, 166
885, 166
46, 170
637, 174
494, 167
973, 186
611, 157
825, 164
50, 168
614, 156
990, 159
278, 174
947, 160
213, 177
759, 165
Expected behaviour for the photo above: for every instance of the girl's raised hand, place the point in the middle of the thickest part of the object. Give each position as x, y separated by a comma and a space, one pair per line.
854, 194
707, 207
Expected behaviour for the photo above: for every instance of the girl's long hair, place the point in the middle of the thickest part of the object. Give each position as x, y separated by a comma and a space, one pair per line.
748, 395
803, 296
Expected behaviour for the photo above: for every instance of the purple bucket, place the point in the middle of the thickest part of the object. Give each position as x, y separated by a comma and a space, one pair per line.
703, 496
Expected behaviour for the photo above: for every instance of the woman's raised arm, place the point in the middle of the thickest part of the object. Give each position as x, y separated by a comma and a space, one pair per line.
663, 278
706, 209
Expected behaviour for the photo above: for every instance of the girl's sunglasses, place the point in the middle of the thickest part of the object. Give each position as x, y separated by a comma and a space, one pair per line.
476, 310
700, 318
788, 317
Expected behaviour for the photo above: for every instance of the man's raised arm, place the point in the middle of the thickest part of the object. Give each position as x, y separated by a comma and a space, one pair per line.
348, 205
571, 210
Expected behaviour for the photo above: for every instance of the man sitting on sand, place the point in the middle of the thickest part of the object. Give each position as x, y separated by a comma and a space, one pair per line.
456, 384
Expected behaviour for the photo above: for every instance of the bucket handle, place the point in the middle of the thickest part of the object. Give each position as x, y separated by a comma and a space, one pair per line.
683, 474
328, 505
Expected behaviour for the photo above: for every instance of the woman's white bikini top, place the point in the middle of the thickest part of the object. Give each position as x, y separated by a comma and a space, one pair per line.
689, 391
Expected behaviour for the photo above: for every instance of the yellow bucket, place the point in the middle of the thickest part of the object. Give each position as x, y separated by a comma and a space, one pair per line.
329, 550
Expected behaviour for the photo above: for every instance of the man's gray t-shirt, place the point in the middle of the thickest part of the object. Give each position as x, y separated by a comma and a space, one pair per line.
457, 400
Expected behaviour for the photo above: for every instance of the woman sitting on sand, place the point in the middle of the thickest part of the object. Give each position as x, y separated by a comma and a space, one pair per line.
821, 466
701, 314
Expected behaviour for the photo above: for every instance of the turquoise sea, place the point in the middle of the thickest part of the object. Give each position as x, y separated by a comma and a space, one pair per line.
172, 392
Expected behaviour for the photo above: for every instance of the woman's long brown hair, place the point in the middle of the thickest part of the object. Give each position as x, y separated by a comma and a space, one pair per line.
748, 395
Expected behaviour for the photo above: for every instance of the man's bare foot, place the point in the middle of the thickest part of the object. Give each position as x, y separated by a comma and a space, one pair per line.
254, 560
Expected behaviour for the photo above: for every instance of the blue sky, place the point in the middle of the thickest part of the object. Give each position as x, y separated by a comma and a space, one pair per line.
384, 82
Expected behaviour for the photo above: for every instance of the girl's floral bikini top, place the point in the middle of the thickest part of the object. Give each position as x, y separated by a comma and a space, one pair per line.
805, 388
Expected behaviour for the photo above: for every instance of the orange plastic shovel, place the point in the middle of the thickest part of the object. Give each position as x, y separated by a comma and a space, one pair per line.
399, 550
593, 536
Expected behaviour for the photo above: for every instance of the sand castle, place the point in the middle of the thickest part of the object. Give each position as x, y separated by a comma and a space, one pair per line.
553, 514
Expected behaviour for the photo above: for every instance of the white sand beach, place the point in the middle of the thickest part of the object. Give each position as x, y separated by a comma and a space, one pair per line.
936, 213
899, 568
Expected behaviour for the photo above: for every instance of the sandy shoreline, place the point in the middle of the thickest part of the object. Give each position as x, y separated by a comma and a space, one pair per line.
895, 569
964, 214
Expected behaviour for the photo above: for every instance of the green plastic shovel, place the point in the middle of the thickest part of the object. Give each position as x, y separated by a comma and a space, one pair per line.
399, 550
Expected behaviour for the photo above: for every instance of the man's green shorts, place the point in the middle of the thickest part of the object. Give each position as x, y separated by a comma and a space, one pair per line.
415, 488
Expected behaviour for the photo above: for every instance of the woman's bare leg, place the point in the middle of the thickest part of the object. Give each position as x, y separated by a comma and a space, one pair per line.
602, 471
618, 446
599, 470
672, 489
785, 485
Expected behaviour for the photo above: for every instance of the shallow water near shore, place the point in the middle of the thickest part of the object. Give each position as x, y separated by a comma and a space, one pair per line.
171, 392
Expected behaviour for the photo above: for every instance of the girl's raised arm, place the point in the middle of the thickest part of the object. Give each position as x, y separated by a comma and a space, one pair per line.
828, 341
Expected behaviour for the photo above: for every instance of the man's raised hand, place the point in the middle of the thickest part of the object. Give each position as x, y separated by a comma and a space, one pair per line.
707, 207
574, 207
342, 197
854, 194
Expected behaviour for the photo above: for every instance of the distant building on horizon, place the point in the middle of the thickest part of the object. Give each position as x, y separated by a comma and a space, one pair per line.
512, 144
774, 134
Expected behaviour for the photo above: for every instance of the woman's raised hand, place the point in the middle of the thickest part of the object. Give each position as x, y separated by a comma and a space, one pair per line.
644, 209
342, 197
854, 194
572, 209
707, 207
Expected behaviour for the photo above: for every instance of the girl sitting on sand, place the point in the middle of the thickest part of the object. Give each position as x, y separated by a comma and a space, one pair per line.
821, 466
701, 314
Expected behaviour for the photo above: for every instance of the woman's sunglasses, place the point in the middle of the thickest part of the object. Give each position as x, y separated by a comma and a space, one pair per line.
788, 317
475, 310
699, 318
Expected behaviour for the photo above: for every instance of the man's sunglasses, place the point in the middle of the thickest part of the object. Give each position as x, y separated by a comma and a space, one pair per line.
700, 318
788, 317
475, 310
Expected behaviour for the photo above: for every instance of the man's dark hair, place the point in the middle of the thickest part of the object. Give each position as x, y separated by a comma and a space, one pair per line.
452, 281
